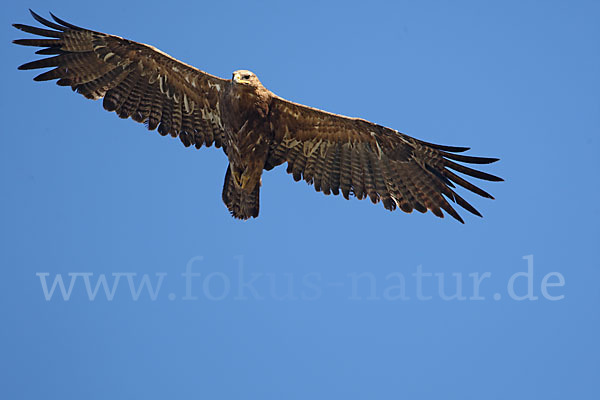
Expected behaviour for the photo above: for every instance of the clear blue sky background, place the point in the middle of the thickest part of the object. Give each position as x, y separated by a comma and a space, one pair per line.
83, 191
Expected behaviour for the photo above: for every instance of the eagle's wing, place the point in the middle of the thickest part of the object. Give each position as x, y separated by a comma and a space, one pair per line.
136, 80
351, 155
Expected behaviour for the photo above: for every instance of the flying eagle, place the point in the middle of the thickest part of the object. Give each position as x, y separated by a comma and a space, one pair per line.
257, 129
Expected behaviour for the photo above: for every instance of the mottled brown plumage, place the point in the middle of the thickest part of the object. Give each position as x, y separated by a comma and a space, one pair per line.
257, 129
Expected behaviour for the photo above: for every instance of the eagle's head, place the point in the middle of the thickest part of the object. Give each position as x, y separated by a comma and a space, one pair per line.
244, 77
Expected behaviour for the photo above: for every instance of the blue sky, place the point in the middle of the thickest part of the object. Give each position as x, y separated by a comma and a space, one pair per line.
306, 301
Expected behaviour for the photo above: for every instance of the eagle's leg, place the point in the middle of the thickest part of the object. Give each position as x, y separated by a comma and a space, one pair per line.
241, 201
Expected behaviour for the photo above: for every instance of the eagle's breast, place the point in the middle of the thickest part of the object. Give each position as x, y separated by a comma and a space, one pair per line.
245, 111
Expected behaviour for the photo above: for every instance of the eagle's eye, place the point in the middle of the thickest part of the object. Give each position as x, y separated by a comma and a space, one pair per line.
246, 77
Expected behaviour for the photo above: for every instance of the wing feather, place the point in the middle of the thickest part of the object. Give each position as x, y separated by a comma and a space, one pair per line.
356, 173
368, 174
135, 80
293, 155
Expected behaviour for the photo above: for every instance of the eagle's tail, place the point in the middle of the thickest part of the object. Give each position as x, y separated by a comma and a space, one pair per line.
240, 203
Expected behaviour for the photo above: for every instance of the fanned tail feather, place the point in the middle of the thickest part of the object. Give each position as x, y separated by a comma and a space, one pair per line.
241, 205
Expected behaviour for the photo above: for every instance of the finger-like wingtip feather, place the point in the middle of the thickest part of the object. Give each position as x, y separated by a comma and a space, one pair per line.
466, 184
452, 149
452, 212
44, 21
42, 63
38, 42
466, 205
65, 23
469, 159
38, 31
50, 51
472, 172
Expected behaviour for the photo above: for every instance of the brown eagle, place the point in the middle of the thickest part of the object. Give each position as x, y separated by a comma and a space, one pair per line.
257, 129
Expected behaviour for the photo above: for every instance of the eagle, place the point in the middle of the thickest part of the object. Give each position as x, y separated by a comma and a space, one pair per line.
257, 129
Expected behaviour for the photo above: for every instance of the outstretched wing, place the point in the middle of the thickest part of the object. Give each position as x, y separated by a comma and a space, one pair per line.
136, 80
354, 156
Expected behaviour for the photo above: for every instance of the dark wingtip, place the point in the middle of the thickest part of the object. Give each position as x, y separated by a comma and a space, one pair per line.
50, 51
471, 172
65, 23
28, 66
486, 160
457, 149
44, 21
494, 178
38, 31
452, 149
467, 206
452, 212
469, 159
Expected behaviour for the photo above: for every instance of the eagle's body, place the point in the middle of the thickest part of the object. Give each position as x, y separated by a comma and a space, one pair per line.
257, 129
245, 106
